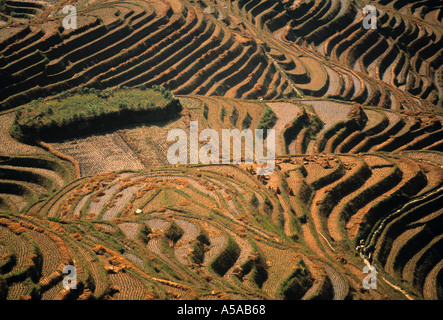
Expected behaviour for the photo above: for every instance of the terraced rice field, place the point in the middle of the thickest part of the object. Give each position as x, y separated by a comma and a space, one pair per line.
359, 138
395, 67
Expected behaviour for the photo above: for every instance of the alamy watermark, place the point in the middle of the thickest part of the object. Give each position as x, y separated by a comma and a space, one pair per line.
70, 281
370, 17
70, 21
209, 153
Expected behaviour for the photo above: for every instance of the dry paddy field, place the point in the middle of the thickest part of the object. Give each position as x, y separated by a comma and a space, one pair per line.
100, 153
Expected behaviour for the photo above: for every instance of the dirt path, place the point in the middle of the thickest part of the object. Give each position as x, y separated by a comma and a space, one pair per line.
398, 289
